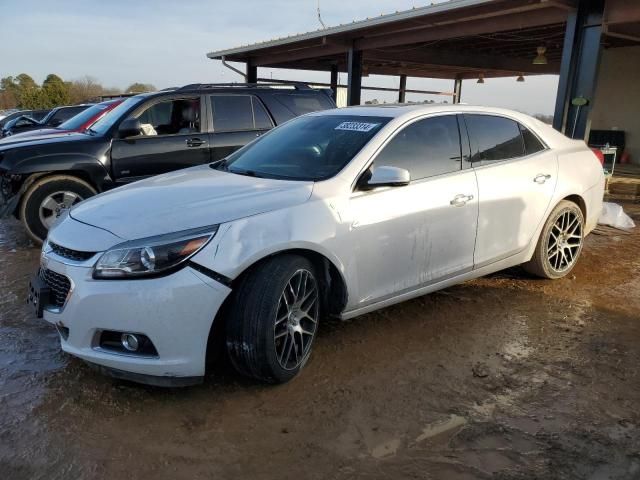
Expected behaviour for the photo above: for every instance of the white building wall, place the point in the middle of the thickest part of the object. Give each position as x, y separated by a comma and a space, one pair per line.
617, 99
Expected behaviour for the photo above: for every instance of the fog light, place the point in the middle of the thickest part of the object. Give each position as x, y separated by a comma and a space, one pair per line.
129, 342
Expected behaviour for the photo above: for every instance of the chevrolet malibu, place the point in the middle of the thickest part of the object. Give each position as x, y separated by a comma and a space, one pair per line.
336, 213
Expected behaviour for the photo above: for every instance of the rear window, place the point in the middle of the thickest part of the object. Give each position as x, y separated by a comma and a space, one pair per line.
300, 103
493, 138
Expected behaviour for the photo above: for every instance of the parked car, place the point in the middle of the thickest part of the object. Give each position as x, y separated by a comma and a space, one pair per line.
53, 119
143, 136
339, 213
35, 114
78, 123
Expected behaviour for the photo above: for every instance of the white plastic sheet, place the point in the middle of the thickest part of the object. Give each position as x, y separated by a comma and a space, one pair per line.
614, 216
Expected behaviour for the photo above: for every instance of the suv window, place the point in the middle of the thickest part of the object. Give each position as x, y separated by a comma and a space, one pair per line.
233, 113
301, 103
260, 115
171, 117
531, 143
425, 148
493, 138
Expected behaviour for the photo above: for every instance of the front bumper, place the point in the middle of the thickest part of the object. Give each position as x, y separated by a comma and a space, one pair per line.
176, 312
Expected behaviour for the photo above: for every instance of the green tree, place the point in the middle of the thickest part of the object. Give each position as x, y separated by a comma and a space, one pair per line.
55, 91
140, 88
8, 93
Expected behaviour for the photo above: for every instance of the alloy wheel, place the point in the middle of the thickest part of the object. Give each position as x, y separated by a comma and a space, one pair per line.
296, 319
53, 205
565, 241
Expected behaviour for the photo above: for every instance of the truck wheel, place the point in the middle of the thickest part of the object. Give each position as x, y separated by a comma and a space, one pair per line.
560, 242
274, 319
45, 200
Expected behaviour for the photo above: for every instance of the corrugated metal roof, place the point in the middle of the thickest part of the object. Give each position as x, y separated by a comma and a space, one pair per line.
352, 27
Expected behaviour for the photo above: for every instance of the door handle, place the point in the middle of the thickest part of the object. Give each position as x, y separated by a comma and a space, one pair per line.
461, 200
195, 142
541, 178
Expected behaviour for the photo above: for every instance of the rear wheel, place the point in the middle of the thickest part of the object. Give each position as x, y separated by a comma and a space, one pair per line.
560, 242
274, 319
47, 198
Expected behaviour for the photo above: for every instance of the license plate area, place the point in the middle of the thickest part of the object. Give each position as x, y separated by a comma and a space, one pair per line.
38, 295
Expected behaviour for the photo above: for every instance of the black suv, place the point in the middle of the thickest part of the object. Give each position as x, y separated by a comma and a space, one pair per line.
145, 135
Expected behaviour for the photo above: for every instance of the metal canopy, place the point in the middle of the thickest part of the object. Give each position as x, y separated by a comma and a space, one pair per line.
458, 39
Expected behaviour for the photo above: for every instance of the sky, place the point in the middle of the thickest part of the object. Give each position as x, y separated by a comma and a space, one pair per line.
164, 42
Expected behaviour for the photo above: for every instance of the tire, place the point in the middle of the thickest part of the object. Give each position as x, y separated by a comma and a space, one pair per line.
35, 216
262, 329
560, 243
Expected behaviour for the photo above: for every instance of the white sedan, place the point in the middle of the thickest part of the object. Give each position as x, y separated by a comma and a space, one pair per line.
334, 213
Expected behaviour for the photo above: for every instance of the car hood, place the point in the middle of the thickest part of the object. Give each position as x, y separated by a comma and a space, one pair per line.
33, 138
191, 198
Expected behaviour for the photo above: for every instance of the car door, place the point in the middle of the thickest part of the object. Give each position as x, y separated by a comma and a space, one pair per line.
172, 137
411, 236
516, 175
237, 120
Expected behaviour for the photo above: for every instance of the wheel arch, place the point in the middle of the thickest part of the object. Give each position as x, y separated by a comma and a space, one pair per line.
335, 293
578, 200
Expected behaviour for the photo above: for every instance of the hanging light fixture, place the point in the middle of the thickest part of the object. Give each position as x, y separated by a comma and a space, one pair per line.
520, 78
541, 58
481, 78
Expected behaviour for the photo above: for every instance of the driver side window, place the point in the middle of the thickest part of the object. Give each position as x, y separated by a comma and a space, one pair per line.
425, 148
171, 117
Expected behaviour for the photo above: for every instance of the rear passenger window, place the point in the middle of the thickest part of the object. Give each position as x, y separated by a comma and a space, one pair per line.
301, 103
493, 138
232, 112
425, 148
531, 143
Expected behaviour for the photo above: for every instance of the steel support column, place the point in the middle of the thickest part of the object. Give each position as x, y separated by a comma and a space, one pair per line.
402, 91
252, 73
579, 68
334, 82
354, 82
457, 90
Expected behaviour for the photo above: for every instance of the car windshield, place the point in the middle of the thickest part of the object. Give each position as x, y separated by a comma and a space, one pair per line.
103, 125
74, 123
306, 148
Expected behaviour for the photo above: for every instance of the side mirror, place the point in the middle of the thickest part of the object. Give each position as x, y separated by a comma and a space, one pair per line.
388, 177
129, 127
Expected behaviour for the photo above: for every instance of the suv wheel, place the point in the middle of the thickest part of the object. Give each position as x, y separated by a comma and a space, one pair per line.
47, 198
560, 242
274, 319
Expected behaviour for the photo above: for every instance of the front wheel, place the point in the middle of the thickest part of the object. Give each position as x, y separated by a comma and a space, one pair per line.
560, 242
274, 319
47, 198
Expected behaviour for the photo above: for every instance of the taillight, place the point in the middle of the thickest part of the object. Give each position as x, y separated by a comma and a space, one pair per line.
599, 155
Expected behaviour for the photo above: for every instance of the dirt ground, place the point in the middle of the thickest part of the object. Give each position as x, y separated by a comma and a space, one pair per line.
505, 377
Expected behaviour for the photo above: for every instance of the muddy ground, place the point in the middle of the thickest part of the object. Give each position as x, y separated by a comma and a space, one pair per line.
505, 377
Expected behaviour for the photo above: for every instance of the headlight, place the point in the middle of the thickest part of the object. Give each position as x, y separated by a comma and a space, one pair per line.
152, 256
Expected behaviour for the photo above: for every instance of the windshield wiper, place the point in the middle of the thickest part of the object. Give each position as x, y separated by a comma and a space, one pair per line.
248, 173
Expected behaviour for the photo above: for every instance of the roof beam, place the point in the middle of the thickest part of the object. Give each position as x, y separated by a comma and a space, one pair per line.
465, 60
514, 21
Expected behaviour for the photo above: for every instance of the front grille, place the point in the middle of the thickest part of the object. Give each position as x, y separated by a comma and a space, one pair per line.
70, 254
58, 284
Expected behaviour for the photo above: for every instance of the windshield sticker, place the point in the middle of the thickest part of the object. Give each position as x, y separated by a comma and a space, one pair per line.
357, 126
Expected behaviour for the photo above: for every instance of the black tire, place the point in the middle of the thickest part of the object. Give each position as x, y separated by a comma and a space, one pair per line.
39, 191
541, 265
252, 341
